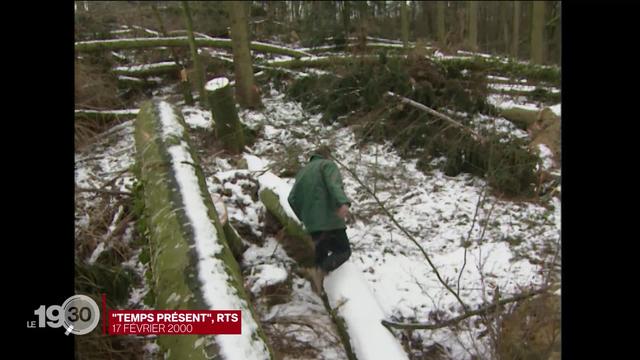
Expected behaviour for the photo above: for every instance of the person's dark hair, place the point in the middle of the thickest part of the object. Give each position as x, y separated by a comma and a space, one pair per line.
323, 150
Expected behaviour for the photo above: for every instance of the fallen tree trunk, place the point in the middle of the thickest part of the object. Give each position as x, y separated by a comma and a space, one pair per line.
140, 43
147, 69
135, 82
348, 299
105, 115
521, 116
193, 266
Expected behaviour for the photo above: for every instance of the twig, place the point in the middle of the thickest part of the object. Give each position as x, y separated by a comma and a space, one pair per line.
473, 223
393, 219
468, 314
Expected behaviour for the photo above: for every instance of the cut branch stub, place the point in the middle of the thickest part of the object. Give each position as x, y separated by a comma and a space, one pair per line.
223, 110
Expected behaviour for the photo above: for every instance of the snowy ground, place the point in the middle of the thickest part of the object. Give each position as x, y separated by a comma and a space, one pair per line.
510, 245
438, 211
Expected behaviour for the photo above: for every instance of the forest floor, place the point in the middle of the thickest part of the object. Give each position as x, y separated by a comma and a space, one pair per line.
478, 242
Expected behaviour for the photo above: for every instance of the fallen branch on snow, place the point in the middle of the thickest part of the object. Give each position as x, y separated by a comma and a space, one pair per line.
481, 311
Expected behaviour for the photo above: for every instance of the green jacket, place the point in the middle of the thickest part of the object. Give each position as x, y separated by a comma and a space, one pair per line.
317, 194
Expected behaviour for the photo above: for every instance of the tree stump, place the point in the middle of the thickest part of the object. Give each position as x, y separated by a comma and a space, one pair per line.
223, 110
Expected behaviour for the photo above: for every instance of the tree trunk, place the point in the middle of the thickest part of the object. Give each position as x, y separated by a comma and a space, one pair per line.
404, 24
185, 86
515, 40
190, 255
422, 21
440, 14
537, 33
223, 110
147, 69
473, 26
520, 116
246, 92
346, 18
504, 14
199, 71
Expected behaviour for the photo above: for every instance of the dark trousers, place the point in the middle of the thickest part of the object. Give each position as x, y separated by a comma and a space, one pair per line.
332, 248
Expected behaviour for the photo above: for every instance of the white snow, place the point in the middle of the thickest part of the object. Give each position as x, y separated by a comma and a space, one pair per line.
512, 87
547, 156
96, 253
267, 275
170, 125
557, 109
217, 83
196, 117
349, 293
506, 102
117, 112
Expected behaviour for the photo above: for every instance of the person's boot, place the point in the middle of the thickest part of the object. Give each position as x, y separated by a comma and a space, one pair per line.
317, 283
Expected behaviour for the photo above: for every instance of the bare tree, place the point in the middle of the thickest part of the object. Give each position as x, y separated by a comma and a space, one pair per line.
404, 24
440, 14
246, 92
472, 40
516, 29
537, 33
199, 71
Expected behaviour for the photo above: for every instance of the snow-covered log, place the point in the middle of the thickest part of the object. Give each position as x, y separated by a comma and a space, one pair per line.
193, 266
319, 61
147, 69
349, 300
521, 116
139, 43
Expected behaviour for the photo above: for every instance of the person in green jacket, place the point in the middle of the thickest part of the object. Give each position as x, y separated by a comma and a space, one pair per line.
319, 201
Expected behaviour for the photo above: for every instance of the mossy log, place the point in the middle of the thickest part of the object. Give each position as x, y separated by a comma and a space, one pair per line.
223, 110
192, 264
297, 243
106, 115
141, 43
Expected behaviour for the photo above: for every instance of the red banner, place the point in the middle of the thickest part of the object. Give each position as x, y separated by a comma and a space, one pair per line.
174, 322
